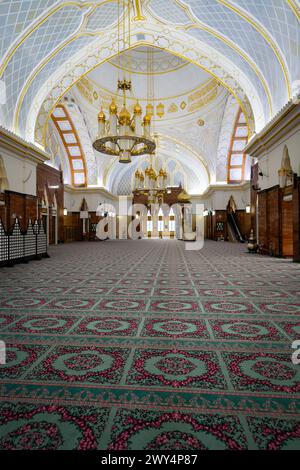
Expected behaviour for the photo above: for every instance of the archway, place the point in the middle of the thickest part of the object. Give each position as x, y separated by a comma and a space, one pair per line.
196, 53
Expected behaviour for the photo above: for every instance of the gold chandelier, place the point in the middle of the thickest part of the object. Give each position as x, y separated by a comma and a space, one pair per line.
124, 135
151, 183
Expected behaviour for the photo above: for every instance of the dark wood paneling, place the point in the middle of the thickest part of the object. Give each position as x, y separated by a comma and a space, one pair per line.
244, 222
253, 195
278, 220
21, 206
269, 221
296, 220
2, 208
273, 221
48, 176
72, 227
262, 222
287, 228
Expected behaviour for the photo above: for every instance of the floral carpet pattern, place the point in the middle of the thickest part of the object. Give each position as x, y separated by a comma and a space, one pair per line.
143, 345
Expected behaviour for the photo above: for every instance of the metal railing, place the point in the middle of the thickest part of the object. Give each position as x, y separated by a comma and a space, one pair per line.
18, 246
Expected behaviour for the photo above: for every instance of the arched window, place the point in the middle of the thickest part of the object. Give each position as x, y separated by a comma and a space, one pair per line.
71, 142
236, 157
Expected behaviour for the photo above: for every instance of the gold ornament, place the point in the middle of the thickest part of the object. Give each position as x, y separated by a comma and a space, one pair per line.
160, 110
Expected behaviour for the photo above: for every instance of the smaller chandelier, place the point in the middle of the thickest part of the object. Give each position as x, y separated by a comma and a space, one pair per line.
150, 183
123, 135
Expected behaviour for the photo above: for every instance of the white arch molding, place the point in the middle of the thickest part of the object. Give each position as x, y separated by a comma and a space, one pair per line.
168, 39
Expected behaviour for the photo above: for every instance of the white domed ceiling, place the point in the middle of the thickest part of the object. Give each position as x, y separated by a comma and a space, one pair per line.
251, 46
171, 76
188, 128
203, 49
158, 77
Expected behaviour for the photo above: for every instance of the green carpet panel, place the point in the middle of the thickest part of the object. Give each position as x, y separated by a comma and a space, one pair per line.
143, 345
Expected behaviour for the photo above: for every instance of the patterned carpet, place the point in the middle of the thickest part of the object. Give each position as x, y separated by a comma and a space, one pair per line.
142, 345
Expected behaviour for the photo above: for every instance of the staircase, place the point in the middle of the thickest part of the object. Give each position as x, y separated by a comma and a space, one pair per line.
233, 229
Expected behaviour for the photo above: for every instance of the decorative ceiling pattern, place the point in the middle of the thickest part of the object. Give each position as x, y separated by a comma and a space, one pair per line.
203, 139
279, 19
43, 45
57, 28
16, 16
238, 57
173, 42
227, 19
104, 15
179, 93
30, 91
169, 11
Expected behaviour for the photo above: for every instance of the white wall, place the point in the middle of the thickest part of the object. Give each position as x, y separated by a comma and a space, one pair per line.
21, 173
73, 199
218, 199
270, 162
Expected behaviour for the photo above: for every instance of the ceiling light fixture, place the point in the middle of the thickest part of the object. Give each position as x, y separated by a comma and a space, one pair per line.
123, 135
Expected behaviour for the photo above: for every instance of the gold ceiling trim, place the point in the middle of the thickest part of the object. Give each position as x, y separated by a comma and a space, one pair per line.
295, 8
195, 23
193, 108
145, 43
265, 35
39, 23
205, 89
198, 98
173, 97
